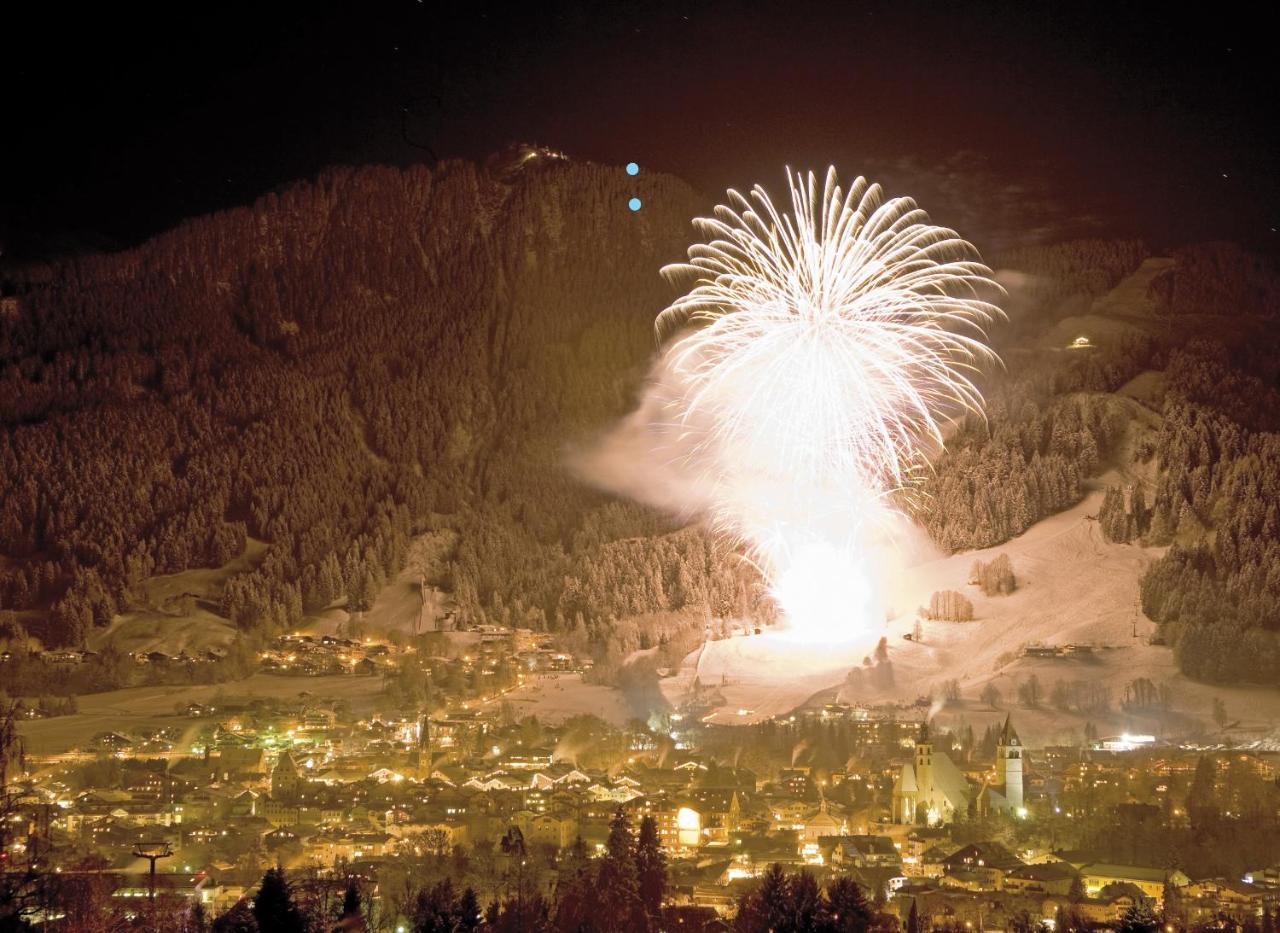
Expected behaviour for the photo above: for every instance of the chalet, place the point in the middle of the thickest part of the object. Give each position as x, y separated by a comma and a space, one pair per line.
861, 851
244, 764
1041, 651
1150, 881
980, 866
332, 848
556, 831
1041, 878
679, 819
67, 656
281, 838
1213, 896
721, 813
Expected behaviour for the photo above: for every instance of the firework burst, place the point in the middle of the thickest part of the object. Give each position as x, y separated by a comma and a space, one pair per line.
816, 356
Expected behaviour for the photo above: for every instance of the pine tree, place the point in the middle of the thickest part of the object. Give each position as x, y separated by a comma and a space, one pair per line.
1138, 918
769, 907
239, 919
529, 914
1171, 908
468, 911
651, 867
351, 904
1202, 798
436, 909
617, 882
809, 909
913, 919
850, 912
274, 907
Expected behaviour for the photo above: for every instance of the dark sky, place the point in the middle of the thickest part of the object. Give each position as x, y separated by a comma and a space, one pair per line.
117, 124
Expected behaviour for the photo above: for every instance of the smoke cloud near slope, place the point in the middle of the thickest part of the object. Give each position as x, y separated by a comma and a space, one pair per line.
831, 342
646, 456
651, 459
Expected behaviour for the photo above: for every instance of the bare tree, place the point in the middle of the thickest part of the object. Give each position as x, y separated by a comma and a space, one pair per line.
990, 695
1059, 695
1220, 715
1029, 692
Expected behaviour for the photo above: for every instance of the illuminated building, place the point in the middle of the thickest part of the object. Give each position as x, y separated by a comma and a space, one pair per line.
932, 789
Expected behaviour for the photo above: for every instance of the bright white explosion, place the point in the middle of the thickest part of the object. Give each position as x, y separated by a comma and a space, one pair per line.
811, 365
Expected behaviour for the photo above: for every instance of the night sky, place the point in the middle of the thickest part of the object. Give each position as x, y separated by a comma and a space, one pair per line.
1138, 118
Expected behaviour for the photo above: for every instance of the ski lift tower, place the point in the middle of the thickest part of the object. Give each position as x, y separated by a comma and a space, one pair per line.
152, 852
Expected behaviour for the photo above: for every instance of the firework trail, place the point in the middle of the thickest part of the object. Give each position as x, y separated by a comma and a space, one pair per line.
813, 361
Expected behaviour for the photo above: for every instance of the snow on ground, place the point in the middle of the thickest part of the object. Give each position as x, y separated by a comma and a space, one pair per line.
553, 698
136, 708
175, 611
1128, 308
1146, 388
401, 605
1073, 588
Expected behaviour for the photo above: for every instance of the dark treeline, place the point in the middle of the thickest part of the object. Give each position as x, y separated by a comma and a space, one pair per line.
1219, 278
795, 903
1054, 281
1214, 822
1216, 592
621, 891
342, 365
1046, 427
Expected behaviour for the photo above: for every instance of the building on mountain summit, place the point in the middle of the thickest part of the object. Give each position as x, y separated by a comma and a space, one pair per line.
931, 789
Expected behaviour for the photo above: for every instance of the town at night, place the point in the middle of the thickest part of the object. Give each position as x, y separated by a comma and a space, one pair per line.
639, 468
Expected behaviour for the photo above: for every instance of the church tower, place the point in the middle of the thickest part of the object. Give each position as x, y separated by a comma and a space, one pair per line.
422, 754
286, 782
924, 757
924, 767
1009, 761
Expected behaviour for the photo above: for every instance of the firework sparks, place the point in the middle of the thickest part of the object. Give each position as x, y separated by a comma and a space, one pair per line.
816, 356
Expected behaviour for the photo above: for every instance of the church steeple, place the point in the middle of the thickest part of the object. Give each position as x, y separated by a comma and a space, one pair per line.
1009, 760
1008, 735
422, 754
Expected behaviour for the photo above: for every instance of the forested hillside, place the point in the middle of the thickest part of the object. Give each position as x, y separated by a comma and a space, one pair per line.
1216, 592
1047, 427
343, 364
1047, 424
1215, 498
381, 352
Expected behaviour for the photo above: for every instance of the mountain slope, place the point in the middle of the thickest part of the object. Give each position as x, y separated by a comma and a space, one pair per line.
341, 365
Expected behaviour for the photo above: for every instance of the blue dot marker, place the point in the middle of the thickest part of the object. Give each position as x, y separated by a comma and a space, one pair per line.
633, 169
634, 204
